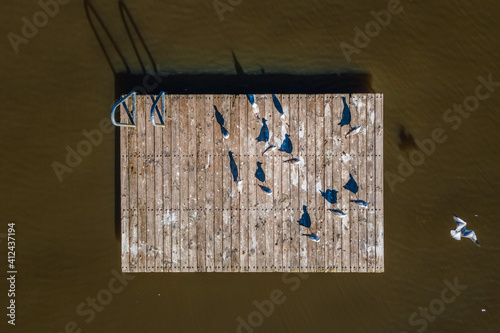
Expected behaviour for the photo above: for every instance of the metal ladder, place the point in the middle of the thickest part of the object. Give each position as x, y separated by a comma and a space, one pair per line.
132, 113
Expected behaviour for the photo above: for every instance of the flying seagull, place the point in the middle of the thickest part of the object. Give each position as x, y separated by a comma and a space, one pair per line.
460, 231
287, 146
312, 237
234, 168
278, 106
259, 174
330, 196
305, 219
351, 185
220, 121
264, 132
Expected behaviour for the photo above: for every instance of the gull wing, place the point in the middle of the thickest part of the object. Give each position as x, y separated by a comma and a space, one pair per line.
470, 234
460, 223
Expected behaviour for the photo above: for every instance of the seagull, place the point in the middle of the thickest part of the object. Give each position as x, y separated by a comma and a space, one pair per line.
259, 174
287, 146
234, 168
292, 161
251, 99
266, 189
351, 185
346, 119
305, 219
269, 149
460, 231
338, 212
330, 196
278, 106
264, 132
312, 237
360, 203
353, 130
220, 121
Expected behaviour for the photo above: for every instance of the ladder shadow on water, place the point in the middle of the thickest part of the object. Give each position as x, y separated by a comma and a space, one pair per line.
150, 81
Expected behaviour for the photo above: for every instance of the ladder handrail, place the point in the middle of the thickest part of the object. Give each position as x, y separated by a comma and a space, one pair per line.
133, 111
162, 115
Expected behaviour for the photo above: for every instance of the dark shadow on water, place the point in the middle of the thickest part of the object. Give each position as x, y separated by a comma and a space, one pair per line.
406, 140
150, 81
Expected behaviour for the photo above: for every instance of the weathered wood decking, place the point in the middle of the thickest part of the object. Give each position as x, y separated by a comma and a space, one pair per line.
181, 211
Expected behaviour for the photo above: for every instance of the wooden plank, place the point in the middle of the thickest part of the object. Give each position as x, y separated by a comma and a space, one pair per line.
285, 203
319, 182
209, 129
370, 182
227, 183
361, 160
353, 148
261, 196
192, 185
184, 182
346, 228
133, 182
311, 180
295, 207
201, 160
149, 173
218, 155
176, 185
269, 168
252, 129
234, 144
303, 178
336, 107
124, 192
158, 198
279, 132
245, 175
379, 179
167, 186
328, 237
141, 191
